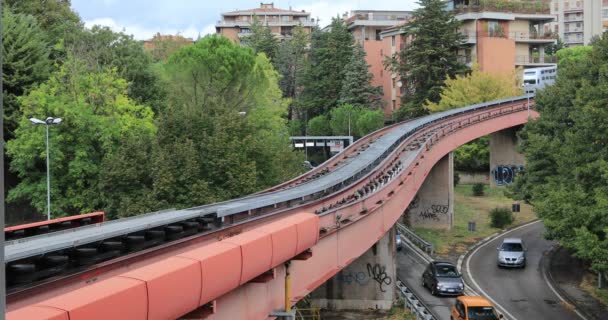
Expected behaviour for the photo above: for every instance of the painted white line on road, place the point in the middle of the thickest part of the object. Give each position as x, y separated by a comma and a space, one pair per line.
559, 295
475, 282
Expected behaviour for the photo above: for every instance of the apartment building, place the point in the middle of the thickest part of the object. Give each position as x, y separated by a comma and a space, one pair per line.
577, 21
236, 24
366, 27
502, 35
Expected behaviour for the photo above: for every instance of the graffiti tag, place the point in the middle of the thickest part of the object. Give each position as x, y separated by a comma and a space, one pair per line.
505, 174
378, 273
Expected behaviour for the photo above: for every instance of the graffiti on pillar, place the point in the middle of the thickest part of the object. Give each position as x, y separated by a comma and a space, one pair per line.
378, 273
505, 174
350, 277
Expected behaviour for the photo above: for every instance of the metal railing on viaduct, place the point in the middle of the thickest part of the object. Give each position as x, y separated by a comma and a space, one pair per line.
229, 260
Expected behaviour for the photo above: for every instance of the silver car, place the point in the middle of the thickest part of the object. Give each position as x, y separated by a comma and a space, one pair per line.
442, 278
512, 253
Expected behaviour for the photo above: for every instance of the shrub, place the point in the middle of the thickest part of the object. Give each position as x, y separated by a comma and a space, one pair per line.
456, 178
501, 217
478, 189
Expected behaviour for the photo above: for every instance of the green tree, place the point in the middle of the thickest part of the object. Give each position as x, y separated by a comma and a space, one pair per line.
369, 121
225, 134
330, 53
568, 55
163, 46
356, 87
25, 63
554, 48
343, 120
262, 40
319, 126
100, 48
429, 58
566, 176
96, 112
55, 17
291, 63
476, 87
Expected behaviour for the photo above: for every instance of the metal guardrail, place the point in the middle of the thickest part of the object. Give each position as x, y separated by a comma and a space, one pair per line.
416, 239
413, 304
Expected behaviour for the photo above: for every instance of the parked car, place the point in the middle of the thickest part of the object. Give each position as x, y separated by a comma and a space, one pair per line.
473, 308
511, 253
398, 241
442, 278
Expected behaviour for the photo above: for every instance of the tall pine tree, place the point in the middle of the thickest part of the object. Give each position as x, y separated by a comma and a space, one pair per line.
291, 63
262, 39
356, 87
429, 58
330, 53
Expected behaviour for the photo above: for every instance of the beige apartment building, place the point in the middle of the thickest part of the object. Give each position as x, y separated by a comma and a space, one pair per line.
577, 21
236, 24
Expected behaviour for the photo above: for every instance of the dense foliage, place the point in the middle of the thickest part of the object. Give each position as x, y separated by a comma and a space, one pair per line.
501, 217
356, 87
566, 176
429, 58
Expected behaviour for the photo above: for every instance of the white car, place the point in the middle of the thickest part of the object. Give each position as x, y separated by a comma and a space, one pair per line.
512, 253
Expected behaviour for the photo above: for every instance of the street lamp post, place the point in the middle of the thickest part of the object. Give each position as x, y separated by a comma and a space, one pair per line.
49, 121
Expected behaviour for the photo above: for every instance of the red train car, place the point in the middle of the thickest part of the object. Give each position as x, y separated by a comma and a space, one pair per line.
41, 227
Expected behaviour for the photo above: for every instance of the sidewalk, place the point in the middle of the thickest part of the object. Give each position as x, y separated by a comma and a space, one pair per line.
566, 272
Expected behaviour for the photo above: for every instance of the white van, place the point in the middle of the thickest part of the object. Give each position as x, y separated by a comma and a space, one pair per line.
538, 78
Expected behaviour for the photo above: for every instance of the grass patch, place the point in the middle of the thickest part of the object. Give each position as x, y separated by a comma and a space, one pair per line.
589, 284
398, 313
451, 243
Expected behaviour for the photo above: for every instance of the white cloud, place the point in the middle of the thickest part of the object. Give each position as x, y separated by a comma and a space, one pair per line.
142, 33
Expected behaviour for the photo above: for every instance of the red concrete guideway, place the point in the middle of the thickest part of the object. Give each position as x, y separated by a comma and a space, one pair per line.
243, 276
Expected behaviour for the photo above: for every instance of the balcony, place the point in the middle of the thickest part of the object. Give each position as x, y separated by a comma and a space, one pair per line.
573, 18
293, 23
574, 30
507, 6
574, 9
535, 60
530, 37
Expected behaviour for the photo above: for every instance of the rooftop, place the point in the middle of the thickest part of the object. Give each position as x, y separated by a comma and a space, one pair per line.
265, 8
507, 6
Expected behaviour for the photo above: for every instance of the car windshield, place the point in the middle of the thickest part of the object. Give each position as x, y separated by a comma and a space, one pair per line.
446, 270
511, 246
482, 313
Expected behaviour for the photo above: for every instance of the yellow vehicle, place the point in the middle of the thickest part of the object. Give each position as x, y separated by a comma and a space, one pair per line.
473, 308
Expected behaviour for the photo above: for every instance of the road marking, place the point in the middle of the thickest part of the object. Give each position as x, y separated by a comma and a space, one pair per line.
475, 282
558, 295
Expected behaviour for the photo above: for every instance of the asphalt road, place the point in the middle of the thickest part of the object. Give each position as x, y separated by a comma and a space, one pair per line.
522, 293
410, 267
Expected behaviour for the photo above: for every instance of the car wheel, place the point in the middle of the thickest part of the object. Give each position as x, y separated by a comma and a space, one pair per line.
433, 291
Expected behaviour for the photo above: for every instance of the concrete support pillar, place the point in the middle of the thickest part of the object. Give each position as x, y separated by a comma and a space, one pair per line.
505, 161
367, 283
433, 206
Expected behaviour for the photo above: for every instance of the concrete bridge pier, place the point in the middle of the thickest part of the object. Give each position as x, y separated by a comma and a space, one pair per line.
505, 161
433, 205
367, 283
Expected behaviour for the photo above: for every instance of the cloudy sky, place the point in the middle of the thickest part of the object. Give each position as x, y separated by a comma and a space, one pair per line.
143, 18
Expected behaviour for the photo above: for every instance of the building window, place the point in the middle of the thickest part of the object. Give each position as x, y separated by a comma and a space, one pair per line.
605, 13
578, 25
393, 41
394, 104
285, 18
378, 34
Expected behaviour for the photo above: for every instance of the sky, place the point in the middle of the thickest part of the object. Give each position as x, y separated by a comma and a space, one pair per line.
144, 18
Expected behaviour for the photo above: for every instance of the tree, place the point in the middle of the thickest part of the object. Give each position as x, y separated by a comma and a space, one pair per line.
476, 87
343, 120
429, 58
330, 53
100, 49
55, 18
554, 48
568, 55
163, 46
566, 176
291, 63
465, 90
224, 134
319, 126
369, 121
262, 40
25, 63
356, 87
96, 112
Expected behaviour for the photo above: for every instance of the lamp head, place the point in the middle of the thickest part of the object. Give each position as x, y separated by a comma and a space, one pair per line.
36, 121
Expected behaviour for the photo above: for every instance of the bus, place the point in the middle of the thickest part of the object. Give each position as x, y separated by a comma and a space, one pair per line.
538, 78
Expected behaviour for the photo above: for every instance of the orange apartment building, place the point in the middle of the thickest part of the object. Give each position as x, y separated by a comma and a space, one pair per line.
498, 39
236, 24
367, 27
